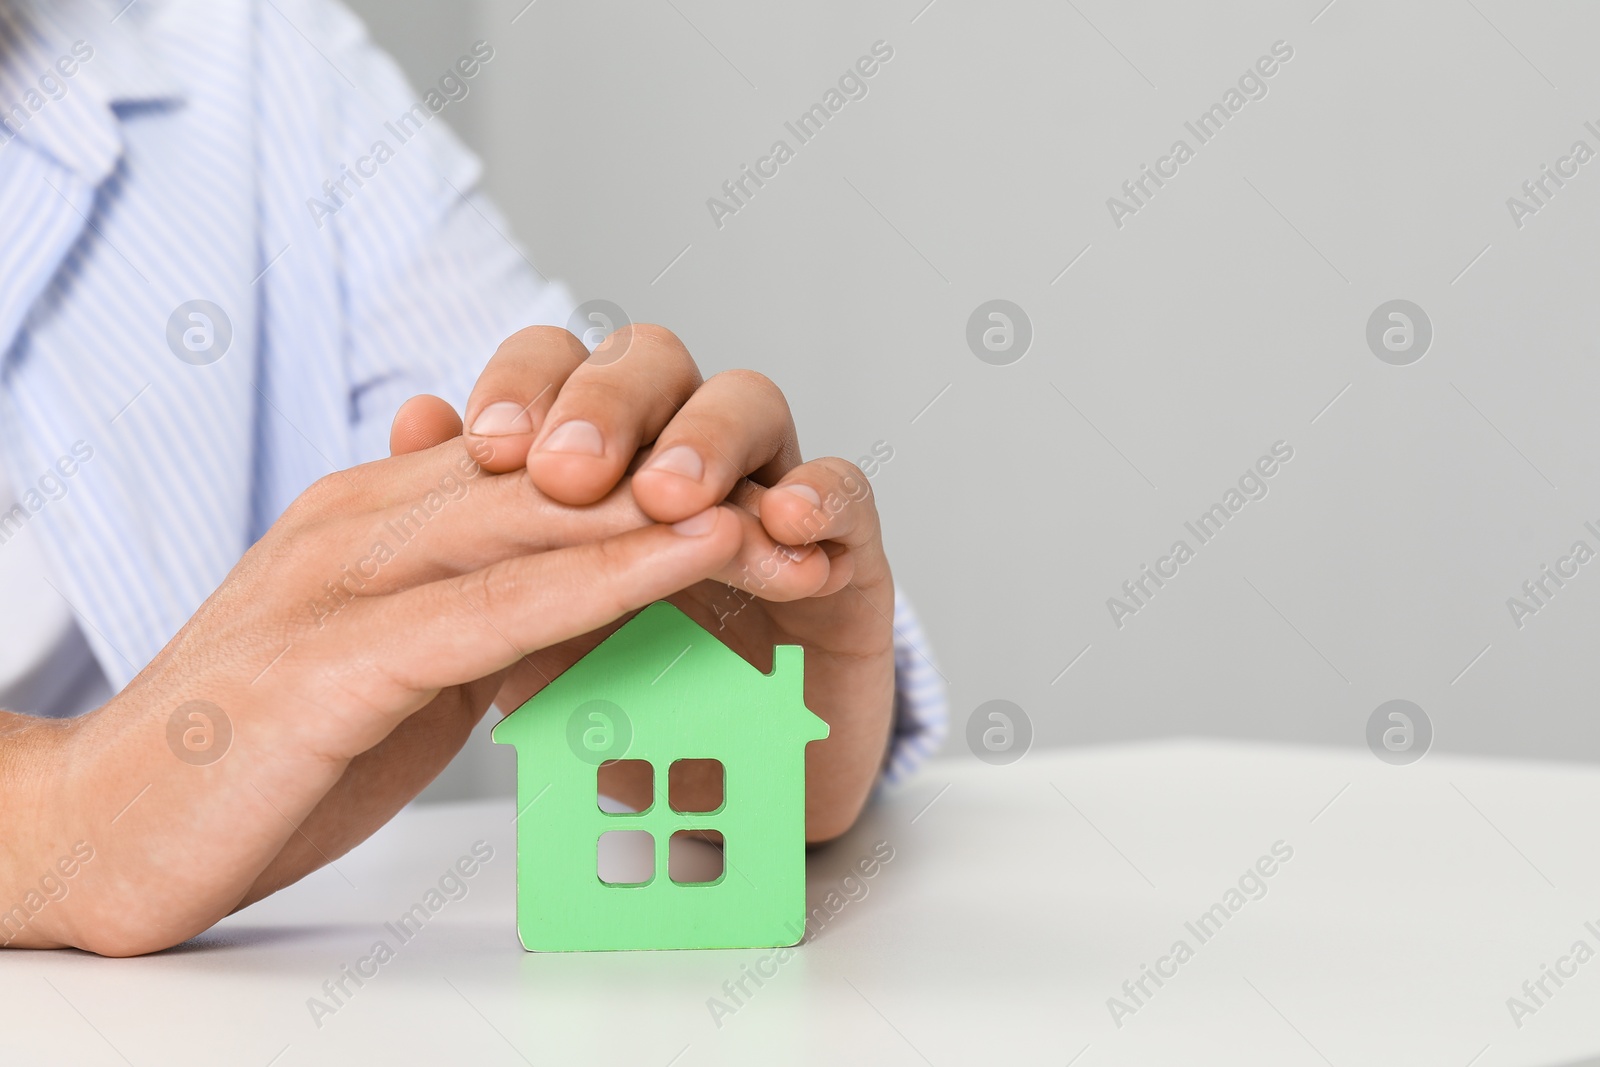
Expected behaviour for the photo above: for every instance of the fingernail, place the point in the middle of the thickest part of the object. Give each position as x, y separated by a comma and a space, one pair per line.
696, 525
794, 555
679, 459
804, 492
577, 436
501, 418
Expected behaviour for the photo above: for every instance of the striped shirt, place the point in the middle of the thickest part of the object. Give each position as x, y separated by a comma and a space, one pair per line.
232, 242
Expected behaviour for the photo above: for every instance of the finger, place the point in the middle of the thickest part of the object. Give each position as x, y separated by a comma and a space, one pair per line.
384, 483
606, 409
515, 391
449, 528
462, 525
772, 570
735, 425
829, 503
455, 630
823, 500
422, 422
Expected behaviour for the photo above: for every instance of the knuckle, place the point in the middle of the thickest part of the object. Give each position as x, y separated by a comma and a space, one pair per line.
305, 559
847, 509
597, 394
658, 336
752, 381
852, 481
531, 346
662, 347
473, 455
617, 512
554, 338
494, 588
610, 559
514, 495
840, 479
323, 498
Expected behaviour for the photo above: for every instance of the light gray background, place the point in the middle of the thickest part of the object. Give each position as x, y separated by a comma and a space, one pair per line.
1223, 317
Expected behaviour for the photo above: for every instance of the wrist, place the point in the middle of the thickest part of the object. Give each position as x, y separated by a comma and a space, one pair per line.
35, 769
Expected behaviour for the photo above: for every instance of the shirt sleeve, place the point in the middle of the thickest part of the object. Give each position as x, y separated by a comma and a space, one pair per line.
921, 706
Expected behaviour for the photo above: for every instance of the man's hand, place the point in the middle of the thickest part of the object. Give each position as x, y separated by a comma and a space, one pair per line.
813, 572
353, 649
349, 654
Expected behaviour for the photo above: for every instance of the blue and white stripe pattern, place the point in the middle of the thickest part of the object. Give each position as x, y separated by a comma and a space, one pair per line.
921, 707
163, 152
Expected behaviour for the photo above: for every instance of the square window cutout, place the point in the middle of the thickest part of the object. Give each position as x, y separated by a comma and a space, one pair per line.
633, 777
695, 857
695, 785
626, 857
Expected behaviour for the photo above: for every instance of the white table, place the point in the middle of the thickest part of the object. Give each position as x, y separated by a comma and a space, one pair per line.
1019, 899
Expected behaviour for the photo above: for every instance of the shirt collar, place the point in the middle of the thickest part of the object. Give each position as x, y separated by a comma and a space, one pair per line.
114, 62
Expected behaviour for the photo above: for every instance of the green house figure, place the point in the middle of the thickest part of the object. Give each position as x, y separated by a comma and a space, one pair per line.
662, 689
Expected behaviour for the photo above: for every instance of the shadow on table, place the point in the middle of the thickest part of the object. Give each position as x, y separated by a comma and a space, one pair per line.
231, 936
